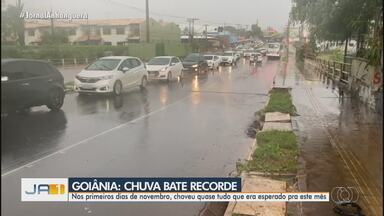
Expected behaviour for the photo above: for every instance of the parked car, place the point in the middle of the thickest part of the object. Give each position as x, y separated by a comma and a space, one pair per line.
195, 62
112, 74
26, 83
228, 57
213, 61
274, 50
165, 68
256, 58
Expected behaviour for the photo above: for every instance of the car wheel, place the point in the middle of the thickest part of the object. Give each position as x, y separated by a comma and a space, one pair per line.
169, 77
117, 88
144, 82
56, 99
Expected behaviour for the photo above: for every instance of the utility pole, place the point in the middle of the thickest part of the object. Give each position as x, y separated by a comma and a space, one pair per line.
206, 33
206, 37
147, 20
288, 26
89, 32
191, 22
52, 28
189, 30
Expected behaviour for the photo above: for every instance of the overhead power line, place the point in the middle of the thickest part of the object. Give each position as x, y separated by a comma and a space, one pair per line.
159, 14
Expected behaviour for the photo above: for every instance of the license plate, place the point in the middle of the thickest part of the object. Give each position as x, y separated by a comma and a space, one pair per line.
87, 87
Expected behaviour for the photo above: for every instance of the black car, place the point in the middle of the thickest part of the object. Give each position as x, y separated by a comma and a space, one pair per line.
195, 62
26, 83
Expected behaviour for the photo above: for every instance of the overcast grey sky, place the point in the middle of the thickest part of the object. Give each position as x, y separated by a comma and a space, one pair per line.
212, 12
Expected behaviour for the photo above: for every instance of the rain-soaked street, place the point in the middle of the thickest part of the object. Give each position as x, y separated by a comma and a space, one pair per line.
340, 138
191, 128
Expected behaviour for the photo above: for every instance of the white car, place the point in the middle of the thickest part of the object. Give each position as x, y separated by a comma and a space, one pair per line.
112, 74
248, 53
238, 55
165, 68
228, 57
274, 50
213, 61
256, 58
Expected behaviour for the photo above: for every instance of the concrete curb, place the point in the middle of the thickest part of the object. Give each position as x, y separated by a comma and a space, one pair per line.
279, 118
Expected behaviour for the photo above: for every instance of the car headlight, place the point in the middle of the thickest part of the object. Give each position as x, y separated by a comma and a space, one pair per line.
164, 69
106, 77
194, 66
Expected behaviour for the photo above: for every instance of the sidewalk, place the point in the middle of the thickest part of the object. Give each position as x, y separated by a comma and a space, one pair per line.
341, 141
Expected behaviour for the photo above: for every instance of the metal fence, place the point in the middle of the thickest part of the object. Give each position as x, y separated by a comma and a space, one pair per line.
72, 61
339, 72
336, 71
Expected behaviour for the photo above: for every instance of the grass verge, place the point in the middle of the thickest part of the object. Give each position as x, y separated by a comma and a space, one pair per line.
280, 101
333, 55
276, 151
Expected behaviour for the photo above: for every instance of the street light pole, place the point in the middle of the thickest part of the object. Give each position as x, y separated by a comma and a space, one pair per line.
147, 20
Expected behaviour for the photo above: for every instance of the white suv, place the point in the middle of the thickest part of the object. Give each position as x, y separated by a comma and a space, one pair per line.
213, 61
165, 68
228, 57
111, 75
274, 50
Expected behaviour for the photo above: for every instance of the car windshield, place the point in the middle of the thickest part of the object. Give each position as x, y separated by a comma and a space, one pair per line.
159, 61
208, 57
192, 58
273, 46
104, 64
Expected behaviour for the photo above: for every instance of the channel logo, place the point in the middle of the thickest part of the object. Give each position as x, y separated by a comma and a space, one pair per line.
341, 195
51, 189
44, 189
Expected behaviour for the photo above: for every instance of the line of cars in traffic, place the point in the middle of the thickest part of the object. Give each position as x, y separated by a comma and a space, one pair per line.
26, 83
115, 73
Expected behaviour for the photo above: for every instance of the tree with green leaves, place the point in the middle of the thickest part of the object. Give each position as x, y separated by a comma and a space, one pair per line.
256, 31
12, 25
340, 20
56, 37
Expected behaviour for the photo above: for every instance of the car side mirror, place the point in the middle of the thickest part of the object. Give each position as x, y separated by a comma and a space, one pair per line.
125, 69
172, 64
4, 78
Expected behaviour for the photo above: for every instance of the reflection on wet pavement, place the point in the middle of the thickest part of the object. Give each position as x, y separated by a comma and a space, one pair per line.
194, 127
341, 141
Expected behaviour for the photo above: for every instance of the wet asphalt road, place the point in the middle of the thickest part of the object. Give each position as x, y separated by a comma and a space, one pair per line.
191, 128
